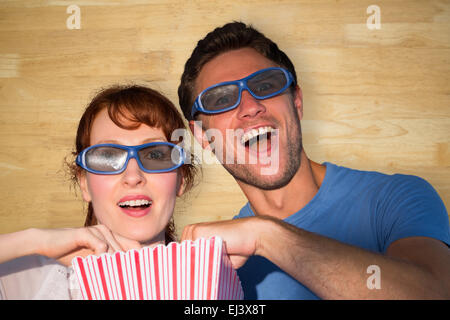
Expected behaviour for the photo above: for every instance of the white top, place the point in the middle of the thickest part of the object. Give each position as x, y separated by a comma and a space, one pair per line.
37, 277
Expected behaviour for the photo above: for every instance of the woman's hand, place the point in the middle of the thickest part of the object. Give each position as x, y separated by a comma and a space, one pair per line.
63, 244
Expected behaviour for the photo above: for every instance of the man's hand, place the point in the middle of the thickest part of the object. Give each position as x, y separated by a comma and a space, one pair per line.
241, 236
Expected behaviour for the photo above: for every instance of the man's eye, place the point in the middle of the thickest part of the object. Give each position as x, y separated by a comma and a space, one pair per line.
263, 87
223, 100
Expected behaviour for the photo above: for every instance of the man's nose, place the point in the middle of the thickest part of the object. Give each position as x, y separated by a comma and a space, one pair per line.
133, 175
249, 107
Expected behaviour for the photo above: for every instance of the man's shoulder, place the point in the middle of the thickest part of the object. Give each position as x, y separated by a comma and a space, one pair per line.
347, 184
343, 174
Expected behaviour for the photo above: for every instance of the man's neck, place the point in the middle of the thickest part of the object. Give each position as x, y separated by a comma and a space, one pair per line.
289, 199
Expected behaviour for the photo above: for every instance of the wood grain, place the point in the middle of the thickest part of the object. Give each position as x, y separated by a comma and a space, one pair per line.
373, 99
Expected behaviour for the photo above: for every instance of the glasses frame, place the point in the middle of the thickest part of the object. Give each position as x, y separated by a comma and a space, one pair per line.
132, 152
242, 85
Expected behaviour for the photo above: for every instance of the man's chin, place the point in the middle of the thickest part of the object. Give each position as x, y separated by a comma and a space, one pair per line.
261, 177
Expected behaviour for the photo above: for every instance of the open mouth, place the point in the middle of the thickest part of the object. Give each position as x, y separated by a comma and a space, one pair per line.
135, 204
258, 138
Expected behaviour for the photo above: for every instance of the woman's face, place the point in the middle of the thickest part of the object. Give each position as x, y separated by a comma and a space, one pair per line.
145, 224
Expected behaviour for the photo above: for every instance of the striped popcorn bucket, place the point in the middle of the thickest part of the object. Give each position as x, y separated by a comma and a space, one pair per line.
191, 270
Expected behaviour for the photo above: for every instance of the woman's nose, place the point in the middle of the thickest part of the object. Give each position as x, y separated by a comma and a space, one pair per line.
133, 175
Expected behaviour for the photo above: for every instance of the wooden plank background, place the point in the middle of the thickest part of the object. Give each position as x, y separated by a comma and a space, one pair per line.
373, 99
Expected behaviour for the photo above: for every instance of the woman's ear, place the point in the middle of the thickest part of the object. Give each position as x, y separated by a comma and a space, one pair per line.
82, 180
198, 132
181, 186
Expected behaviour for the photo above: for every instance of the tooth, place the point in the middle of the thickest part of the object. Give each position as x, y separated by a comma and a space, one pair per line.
255, 132
134, 203
244, 138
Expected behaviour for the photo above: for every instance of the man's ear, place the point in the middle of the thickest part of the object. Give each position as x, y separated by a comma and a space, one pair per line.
298, 101
199, 134
82, 180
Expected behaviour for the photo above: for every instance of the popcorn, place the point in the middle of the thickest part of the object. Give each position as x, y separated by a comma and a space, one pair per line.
191, 270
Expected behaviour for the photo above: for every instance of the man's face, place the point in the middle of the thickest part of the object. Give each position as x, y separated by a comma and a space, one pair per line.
279, 115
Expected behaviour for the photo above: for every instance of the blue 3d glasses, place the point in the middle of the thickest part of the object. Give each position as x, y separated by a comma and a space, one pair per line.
154, 157
224, 96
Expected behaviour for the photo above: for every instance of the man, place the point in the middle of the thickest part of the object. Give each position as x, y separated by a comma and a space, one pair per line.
309, 230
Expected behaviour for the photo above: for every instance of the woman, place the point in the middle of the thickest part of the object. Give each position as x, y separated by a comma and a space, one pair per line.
130, 174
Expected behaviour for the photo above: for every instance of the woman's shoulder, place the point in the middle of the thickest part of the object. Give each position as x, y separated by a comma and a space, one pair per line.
33, 277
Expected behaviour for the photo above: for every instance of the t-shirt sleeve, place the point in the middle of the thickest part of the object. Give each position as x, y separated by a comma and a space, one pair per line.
412, 208
245, 211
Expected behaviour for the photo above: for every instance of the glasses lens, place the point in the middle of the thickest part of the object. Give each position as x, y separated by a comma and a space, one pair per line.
106, 159
268, 83
220, 97
159, 157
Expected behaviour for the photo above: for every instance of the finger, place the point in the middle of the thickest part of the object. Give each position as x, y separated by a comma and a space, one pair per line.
109, 237
184, 234
91, 240
66, 259
187, 233
237, 261
111, 250
102, 246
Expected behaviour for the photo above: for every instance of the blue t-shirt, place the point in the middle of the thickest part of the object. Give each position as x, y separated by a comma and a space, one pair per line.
369, 210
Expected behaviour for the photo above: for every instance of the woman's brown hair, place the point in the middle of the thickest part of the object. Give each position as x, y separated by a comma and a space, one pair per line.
136, 105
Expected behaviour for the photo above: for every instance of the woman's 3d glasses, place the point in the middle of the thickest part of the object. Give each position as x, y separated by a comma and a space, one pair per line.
224, 96
152, 157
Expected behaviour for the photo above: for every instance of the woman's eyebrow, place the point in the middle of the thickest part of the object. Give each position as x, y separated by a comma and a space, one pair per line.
153, 139
142, 142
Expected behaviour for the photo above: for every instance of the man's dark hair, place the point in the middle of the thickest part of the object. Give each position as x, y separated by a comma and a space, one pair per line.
231, 36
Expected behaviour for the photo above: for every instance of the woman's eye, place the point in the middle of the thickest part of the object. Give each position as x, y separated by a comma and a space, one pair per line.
155, 155
107, 153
